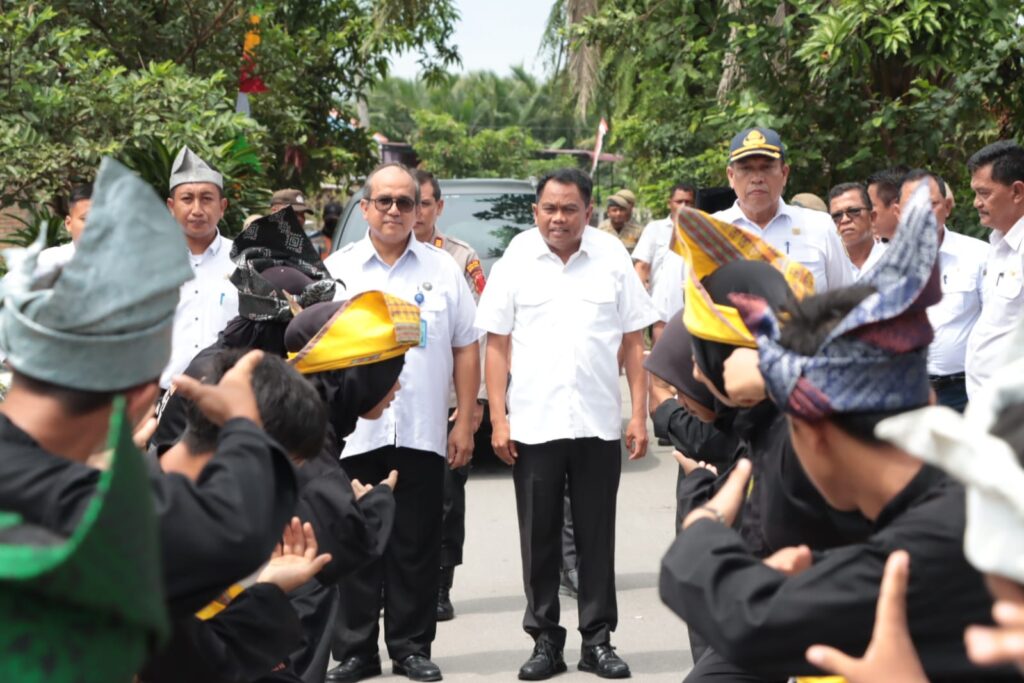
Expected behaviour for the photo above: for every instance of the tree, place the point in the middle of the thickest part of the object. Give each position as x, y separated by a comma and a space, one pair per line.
852, 86
84, 78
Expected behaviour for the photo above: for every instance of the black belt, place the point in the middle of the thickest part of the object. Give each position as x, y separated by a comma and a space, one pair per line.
942, 380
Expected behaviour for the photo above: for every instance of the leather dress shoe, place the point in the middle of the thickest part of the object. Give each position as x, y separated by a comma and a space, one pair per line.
416, 668
355, 668
545, 662
602, 660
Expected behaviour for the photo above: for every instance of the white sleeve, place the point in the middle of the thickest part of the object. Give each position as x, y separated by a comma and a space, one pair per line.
496, 311
837, 265
636, 310
647, 244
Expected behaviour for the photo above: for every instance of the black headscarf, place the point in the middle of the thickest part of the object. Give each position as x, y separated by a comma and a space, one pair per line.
266, 335
749, 277
671, 359
348, 392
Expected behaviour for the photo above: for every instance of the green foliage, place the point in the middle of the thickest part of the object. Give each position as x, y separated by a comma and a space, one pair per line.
447, 148
852, 85
482, 101
81, 79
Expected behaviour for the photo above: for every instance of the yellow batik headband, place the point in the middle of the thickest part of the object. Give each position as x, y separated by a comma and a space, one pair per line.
706, 244
368, 328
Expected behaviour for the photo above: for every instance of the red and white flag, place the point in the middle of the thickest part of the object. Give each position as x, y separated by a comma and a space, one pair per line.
602, 130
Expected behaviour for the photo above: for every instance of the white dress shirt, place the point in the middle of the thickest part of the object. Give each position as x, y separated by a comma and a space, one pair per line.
667, 293
566, 322
52, 258
653, 245
962, 269
805, 235
418, 417
1002, 306
207, 303
877, 249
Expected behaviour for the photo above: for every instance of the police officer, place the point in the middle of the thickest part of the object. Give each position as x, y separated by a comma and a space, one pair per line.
453, 532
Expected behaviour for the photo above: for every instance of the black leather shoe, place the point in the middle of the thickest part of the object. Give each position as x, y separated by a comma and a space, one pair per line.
545, 662
602, 660
445, 609
416, 668
355, 668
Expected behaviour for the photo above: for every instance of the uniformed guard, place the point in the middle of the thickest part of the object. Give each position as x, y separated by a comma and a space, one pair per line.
620, 219
453, 532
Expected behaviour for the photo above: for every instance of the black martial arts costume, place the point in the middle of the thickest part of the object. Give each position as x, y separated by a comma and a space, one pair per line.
760, 622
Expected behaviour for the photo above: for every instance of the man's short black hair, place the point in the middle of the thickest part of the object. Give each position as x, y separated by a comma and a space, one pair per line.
1006, 157
74, 402
424, 177
887, 182
684, 186
79, 193
808, 324
569, 176
290, 408
918, 174
843, 188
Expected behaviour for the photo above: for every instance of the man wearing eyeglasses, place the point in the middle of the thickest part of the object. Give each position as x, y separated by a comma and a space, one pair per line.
758, 172
411, 435
852, 212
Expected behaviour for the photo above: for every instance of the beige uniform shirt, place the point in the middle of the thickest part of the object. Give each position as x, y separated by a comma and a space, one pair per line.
629, 236
469, 262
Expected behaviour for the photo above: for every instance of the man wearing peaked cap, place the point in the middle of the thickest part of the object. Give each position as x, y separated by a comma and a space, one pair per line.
839, 363
104, 328
758, 172
208, 301
620, 219
292, 198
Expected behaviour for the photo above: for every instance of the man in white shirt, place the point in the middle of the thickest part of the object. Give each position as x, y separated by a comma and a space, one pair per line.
758, 172
209, 301
962, 269
654, 242
54, 258
997, 178
852, 212
884, 191
559, 304
411, 436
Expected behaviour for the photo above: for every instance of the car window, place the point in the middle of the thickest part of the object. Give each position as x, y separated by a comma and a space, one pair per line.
487, 221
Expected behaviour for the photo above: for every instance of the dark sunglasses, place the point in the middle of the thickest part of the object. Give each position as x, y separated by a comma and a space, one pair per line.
852, 212
383, 204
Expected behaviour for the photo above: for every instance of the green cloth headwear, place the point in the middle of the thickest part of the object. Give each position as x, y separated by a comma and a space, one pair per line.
89, 608
105, 324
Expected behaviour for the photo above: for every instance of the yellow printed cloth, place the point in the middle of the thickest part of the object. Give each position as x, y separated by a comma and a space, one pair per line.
368, 328
706, 243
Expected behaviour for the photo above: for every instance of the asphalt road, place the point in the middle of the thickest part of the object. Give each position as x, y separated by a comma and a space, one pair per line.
485, 641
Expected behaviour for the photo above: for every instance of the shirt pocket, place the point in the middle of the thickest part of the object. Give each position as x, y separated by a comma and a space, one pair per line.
959, 294
434, 312
813, 260
1008, 285
597, 303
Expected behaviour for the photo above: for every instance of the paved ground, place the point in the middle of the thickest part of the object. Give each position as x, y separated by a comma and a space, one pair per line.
486, 640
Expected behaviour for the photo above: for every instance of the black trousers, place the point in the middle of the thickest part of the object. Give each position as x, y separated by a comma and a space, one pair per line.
592, 468
408, 572
453, 523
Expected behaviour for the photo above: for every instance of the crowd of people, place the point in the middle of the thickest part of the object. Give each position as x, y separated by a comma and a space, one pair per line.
226, 461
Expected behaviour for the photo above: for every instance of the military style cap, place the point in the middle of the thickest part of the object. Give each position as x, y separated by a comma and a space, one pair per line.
368, 328
756, 141
292, 198
105, 324
623, 198
189, 168
89, 608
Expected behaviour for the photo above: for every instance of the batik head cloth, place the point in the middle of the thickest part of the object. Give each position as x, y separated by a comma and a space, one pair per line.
875, 357
105, 323
276, 240
89, 608
706, 243
368, 328
964, 446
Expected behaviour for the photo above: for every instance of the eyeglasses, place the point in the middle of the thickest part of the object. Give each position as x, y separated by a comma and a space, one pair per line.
852, 212
383, 204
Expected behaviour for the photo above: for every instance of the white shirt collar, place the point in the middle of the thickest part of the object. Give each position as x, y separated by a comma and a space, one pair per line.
368, 252
1014, 238
783, 209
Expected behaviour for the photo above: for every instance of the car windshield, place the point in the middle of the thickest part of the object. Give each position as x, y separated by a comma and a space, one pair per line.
487, 221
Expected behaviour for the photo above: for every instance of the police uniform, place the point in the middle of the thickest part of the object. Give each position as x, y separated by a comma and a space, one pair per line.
629, 236
453, 522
